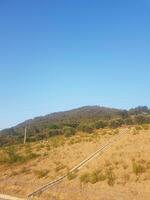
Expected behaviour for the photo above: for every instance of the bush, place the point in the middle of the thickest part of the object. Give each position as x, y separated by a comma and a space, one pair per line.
69, 131
128, 121
12, 156
72, 176
59, 167
138, 128
85, 128
138, 168
71, 124
54, 132
100, 124
116, 131
92, 178
41, 173
57, 141
110, 177
141, 119
53, 126
116, 123
84, 178
145, 126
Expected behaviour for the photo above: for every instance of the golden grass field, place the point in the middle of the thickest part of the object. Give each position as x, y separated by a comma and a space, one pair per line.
121, 173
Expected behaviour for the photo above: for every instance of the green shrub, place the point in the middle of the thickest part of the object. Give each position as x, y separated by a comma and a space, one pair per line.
101, 177
110, 177
129, 121
116, 123
84, 178
68, 131
141, 119
138, 168
57, 141
97, 176
54, 132
94, 177
85, 128
12, 156
53, 126
100, 124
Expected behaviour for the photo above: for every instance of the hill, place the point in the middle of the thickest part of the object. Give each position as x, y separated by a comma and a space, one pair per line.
74, 116
121, 172
85, 118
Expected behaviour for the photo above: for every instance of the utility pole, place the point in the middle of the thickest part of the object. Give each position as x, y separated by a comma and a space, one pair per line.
25, 135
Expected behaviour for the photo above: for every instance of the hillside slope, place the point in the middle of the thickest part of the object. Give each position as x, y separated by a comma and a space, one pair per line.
75, 115
85, 118
57, 120
123, 172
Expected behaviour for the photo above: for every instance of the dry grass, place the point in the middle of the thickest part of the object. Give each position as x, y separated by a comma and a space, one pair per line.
123, 168
41, 173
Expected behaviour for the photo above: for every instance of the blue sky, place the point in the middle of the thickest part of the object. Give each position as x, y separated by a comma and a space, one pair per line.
62, 54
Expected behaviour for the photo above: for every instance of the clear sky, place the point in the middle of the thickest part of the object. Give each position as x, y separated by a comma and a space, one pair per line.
62, 54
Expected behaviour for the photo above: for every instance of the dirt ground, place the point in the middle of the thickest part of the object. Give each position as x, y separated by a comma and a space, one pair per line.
125, 166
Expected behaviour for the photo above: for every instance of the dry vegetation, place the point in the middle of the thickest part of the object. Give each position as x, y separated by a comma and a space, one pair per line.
122, 172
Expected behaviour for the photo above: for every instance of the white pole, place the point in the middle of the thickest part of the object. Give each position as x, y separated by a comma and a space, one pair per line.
25, 135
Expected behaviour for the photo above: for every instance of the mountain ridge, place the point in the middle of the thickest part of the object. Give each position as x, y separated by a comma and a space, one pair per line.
53, 115
86, 118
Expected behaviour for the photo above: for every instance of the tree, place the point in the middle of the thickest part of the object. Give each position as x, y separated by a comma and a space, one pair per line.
142, 119
139, 110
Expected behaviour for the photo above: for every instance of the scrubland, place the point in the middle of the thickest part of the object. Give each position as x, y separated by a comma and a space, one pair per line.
122, 172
